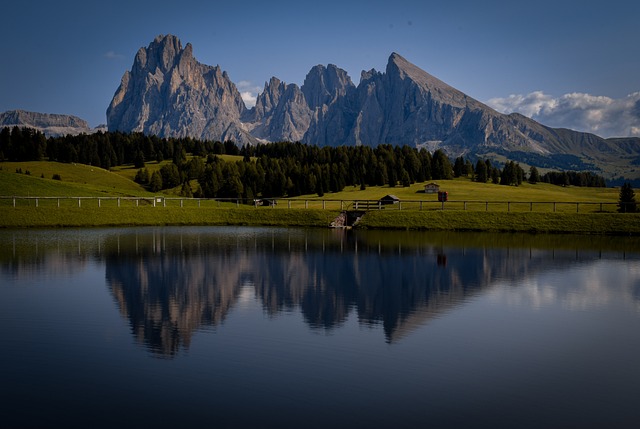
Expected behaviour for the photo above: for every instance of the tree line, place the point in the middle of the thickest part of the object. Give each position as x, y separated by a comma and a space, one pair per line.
268, 170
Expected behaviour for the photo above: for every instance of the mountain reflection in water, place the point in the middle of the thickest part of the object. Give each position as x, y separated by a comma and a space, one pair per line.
171, 282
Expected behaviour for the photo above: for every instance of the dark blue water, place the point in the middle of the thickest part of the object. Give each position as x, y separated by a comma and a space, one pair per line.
258, 327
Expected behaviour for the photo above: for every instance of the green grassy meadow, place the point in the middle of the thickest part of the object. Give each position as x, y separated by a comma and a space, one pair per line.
471, 207
76, 180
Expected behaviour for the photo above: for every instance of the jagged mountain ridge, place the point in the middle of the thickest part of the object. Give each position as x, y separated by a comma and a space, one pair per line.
51, 125
169, 93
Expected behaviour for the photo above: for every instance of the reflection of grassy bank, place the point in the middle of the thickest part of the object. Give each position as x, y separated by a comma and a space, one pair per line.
408, 240
581, 223
39, 217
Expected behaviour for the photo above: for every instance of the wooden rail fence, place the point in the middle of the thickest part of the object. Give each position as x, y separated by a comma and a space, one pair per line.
325, 204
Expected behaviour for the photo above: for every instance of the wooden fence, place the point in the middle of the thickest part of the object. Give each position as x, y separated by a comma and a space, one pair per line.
325, 204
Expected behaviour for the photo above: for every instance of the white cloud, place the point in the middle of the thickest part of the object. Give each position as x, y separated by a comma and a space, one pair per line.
604, 116
249, 92
248, 98
111, 55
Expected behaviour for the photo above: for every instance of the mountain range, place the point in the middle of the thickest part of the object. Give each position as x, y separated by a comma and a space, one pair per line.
169, 93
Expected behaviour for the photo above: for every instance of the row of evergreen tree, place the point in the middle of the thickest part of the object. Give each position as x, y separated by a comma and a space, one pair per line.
270, 170
104, 150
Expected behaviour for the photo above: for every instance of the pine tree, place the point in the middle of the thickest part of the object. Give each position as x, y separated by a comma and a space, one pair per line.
185, 191
481, 172
155, 184
139, 160
534, 175
627, 202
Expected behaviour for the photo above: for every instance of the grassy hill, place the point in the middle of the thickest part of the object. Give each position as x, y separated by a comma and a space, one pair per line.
76, 180
466, 190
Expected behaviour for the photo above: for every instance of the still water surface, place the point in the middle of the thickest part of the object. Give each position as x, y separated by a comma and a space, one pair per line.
264, 327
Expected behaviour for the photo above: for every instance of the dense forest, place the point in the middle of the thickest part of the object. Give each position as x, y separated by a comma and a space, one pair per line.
268, 170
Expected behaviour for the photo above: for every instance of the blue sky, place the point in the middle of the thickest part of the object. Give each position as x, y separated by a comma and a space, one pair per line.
565, 63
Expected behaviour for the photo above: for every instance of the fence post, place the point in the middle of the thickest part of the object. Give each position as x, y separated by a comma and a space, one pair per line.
306, 204
324, 204
577, 207
465, 206
58, 202
237, 203
99, 203
198, 203
14, 202
79, 205
118, 201
36, 202
164, 202
181, 203
289, 204
554, 207
138, 202
399, 205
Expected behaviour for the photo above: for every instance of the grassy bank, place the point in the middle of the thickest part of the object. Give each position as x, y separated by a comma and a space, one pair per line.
581, 223
48, 217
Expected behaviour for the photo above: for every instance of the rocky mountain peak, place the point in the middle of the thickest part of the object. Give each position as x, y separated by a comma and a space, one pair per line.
269, 98
401, 69
161, 53
170, 94
324, 85
281, 112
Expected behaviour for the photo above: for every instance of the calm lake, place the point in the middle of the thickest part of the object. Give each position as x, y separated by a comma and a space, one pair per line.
244, 327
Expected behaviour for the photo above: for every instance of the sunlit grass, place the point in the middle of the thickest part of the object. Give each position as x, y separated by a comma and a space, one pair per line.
466, 190
129, 215
76, 179
583, 223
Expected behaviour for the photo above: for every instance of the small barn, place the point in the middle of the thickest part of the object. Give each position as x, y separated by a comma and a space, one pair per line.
431, 188
389, 199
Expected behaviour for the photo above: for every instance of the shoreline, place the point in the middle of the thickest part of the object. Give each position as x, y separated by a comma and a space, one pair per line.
550, 223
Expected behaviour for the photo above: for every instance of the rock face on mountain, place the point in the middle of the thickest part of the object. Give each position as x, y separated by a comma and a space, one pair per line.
324, 86
406, 105
168, 93
51, 125
281, 113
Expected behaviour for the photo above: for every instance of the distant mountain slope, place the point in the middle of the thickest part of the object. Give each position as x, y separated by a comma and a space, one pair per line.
168, 93
51, 125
